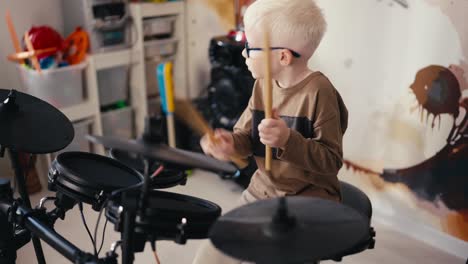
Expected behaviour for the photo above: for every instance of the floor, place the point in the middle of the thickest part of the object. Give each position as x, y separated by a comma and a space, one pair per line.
391, 247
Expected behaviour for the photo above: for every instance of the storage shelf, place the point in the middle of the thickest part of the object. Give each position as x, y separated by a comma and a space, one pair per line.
160, 9
80, 111
115, 58
134, 56
139, 12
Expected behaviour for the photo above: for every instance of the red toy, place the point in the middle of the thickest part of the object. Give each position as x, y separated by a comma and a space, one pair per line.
44, 37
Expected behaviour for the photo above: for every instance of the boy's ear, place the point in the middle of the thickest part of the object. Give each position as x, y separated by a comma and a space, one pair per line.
285, 57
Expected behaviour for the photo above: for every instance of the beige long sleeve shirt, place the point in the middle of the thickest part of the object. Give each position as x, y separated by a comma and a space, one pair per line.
308, 165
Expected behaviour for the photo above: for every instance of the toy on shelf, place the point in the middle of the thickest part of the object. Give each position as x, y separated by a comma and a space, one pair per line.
44, 48
44, 37
76, 46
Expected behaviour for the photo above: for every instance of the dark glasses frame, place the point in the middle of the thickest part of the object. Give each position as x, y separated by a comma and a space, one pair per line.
248, 49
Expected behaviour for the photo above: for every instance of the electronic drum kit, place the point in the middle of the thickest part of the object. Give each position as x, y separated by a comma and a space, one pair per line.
127, 186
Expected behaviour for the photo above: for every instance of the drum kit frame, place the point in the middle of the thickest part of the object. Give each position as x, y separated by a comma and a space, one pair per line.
123, 186
129, 197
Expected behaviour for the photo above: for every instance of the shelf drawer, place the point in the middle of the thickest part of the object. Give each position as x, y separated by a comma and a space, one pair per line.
113, 85
118, 123
160, 48
158, 27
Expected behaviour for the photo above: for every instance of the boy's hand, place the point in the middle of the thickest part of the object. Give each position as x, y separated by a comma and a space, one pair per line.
221, 146
273, 131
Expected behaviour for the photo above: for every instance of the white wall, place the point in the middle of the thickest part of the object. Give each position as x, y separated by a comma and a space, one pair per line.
205, 20
372, 52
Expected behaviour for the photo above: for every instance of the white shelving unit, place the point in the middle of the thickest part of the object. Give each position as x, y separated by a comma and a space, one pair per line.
135, 58
141, 11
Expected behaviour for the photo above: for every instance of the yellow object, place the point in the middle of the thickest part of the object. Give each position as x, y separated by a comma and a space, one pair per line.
169, 87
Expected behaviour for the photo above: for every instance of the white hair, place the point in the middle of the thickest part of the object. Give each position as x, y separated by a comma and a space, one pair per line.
296, 24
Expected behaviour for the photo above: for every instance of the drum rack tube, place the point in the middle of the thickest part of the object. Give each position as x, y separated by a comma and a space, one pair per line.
55, 240
26, 217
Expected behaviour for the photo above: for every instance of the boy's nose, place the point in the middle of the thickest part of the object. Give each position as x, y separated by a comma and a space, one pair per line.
244, 53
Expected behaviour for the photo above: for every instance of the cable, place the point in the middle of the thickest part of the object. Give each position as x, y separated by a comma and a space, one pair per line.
104, 204
80, 205
153, 247
103, 236
112, 195
156, 257
97, 224
158, 171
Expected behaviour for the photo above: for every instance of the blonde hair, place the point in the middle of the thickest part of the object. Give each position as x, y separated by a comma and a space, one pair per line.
295, 24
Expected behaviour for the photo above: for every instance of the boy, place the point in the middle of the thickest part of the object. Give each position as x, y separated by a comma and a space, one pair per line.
310, 117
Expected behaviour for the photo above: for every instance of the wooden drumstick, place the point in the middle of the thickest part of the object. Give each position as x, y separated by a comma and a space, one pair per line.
187, 113
20, 56
267, 97
13, 36
30, 47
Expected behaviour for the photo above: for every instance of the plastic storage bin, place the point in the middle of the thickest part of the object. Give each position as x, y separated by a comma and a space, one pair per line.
61, 87
160, 48
79, 143
158, 27
118, 123
113, 85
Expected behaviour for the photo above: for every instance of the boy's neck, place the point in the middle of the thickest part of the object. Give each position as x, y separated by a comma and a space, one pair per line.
291, 76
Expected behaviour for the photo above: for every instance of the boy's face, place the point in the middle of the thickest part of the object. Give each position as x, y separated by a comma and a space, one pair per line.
255, 59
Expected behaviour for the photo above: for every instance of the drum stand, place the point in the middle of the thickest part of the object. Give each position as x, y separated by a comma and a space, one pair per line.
21, 183
12, 214
19, 223
134, 205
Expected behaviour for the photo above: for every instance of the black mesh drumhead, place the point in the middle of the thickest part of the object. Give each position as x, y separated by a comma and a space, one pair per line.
97, 171
165, 179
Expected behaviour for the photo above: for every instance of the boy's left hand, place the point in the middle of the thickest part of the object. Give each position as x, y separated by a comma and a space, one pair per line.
273, 131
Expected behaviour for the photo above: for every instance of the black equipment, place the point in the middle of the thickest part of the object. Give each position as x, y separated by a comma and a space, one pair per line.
90, 178
168, 178
31, 125
168, 216
166, 154
229, 90
28, 124
33, 222
292, 230
226, 51
229, 93
123, 187
231, 82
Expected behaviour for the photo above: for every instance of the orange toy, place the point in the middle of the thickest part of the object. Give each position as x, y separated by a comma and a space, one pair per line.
76, 46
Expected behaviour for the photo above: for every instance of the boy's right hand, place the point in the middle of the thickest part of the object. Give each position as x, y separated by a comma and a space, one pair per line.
220, 146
